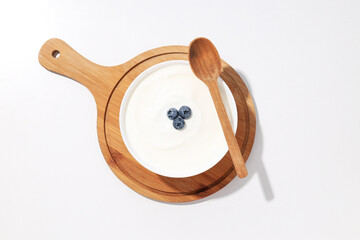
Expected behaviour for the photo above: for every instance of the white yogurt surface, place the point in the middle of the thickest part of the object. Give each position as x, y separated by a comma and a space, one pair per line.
150, 136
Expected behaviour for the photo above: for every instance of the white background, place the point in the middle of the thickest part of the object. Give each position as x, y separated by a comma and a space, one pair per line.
301, 61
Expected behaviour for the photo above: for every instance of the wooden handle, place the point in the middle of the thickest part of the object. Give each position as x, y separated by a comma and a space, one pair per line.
57, 56
234, 149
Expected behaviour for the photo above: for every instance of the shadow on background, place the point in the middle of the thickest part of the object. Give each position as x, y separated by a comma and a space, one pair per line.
254, 165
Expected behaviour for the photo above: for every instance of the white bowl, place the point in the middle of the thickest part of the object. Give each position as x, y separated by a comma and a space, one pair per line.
148, 133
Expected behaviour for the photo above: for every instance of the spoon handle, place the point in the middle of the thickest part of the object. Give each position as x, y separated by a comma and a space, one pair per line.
234, 149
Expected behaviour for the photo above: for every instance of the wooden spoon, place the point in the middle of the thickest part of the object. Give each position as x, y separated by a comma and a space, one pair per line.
205, 63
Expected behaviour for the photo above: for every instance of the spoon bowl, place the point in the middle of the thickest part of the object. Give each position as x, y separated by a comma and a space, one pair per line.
204, 60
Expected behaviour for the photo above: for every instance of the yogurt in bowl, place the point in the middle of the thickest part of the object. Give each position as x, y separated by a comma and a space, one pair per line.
150, 136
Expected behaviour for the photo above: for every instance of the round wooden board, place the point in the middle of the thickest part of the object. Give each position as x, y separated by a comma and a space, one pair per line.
109, 84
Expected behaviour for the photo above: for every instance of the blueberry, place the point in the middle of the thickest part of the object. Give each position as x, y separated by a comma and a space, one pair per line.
172, 113
178, 123
185, 112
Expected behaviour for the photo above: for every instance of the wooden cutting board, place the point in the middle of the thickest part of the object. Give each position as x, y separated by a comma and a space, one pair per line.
108, 86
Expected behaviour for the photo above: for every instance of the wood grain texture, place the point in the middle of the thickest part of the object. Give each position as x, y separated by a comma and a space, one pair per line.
108, 86
205, 63
234, 149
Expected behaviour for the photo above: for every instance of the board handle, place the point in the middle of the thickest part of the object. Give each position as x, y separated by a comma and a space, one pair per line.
57, 56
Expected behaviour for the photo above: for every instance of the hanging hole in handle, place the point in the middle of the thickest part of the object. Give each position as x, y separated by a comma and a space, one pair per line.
55, 54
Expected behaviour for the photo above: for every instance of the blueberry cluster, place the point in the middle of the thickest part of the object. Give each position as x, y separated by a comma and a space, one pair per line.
179, 116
